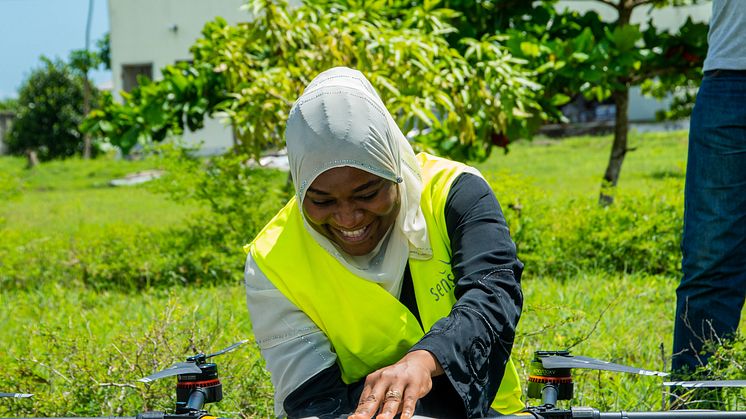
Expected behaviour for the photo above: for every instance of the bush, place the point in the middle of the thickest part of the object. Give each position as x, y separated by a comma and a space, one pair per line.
640, 233
726, 363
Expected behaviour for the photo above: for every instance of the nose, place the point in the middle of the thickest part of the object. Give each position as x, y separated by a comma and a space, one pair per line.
348, 215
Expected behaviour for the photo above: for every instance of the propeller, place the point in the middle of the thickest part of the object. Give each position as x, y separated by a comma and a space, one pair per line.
706, 384
16, 395
563, 359
175, 369
228, 349
191, 366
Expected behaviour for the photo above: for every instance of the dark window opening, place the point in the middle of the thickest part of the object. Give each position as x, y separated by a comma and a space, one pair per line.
130, 73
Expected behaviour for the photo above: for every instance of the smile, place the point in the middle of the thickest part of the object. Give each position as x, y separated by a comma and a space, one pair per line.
353, 235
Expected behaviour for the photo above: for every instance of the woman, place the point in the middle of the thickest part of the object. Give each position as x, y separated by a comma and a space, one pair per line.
378, 247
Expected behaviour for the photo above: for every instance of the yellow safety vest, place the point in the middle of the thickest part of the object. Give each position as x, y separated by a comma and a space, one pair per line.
368, 327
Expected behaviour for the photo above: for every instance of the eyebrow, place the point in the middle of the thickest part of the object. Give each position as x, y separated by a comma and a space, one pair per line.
362, 187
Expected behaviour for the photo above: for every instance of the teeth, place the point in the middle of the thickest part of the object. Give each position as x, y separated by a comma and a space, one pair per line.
353, 234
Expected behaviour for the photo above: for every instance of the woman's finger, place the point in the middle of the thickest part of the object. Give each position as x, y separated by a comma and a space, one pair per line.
370, 399
408, 403
391, 404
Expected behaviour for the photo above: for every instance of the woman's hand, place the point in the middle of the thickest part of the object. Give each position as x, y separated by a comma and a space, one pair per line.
397, 388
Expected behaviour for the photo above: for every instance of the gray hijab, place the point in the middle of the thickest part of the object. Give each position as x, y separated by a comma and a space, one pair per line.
340, 120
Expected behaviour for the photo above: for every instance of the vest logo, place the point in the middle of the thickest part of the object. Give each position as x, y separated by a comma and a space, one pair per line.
445, 285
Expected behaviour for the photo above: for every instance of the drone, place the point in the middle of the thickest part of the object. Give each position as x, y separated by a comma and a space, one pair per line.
550, 380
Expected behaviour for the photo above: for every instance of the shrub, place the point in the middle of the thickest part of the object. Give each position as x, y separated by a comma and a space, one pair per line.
640, 233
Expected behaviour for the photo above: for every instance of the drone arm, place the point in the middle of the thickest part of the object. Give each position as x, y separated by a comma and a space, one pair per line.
591, 413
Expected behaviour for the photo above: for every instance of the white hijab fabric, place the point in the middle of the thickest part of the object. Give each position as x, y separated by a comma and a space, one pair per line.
340, 120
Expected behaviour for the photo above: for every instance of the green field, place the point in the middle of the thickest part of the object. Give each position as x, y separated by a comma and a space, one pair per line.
80, 350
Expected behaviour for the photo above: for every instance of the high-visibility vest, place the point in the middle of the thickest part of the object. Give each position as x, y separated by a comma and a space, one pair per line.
368, 327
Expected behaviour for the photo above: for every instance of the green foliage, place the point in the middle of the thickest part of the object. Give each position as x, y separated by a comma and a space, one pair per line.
155, 109
684, 51
239, 199
49, 110
727, 363
9, 104
481, 18
253, 72
574, 52
104, 51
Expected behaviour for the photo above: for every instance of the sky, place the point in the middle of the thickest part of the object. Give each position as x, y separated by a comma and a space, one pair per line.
53, 28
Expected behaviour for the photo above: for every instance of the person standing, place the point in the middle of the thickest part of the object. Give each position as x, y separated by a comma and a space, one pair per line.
712, 289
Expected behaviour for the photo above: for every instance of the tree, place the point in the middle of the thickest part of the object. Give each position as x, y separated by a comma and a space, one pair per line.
454, 103
582, 53
574, 53
49, 110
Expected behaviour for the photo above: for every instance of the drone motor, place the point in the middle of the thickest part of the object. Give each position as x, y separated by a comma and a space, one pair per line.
549, 384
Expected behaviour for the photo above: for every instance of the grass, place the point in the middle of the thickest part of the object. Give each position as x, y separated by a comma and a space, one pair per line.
104, 341
574, 167
85, 350
65, 197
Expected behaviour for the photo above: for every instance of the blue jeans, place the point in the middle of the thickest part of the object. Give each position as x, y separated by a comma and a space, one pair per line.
712, 289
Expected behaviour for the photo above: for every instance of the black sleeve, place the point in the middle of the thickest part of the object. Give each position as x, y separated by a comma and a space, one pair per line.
324, 395
474, 342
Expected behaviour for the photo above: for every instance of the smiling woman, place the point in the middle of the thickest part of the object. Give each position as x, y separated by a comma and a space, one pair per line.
389, 284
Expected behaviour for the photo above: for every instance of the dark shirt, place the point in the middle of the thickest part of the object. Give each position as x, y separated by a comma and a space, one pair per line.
473, 343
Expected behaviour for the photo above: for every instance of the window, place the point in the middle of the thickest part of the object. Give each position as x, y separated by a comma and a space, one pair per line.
130, 72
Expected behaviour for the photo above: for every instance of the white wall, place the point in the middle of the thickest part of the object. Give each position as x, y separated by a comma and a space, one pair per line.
669, 18
161, 32
642, 108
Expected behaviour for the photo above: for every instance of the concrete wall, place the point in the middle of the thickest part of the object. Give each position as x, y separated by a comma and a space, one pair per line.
161, 32
643, 108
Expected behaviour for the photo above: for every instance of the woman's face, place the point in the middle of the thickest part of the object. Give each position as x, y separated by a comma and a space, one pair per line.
352, 208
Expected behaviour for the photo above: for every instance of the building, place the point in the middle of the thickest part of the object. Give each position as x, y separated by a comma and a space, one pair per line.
147, 35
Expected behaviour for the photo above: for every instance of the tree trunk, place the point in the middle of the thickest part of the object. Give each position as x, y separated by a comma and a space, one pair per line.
32, 160
86, 110
618, 149
86, 83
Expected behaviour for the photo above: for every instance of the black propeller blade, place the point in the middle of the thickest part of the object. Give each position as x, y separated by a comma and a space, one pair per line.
570, 361
228, 349
175, 369
16, 395
190, 366
706, 384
